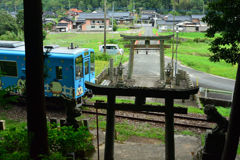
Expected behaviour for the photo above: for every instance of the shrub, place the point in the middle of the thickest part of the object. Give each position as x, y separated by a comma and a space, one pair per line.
11, 36
175, 41
197, 40
61, 141
115, 27
112, 41
44, 34
68, 140
102, 57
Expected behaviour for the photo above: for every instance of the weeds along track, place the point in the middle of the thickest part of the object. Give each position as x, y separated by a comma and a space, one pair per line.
183, 121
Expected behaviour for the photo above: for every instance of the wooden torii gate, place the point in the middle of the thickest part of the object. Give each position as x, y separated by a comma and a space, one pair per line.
132, 40
141, 93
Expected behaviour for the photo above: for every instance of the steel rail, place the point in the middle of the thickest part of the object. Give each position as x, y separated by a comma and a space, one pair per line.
149, 120
160, 114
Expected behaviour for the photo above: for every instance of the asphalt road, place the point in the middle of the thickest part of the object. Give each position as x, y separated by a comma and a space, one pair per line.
149, 65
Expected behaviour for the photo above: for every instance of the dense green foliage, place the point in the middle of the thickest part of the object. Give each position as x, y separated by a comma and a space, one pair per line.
223, 17
61, 141
7, 23
163, 6
4, 98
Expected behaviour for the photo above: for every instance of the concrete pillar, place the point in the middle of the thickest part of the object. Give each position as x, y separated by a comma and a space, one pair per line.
2, 125
131, 58
52, 121
86, 123
62, 121
111, 70
162, 60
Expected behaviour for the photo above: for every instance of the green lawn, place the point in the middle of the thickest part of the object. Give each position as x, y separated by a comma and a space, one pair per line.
189, 35
205, 65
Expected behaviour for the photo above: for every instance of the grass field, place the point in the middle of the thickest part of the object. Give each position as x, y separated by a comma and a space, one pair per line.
196, 55
190, 53
188, 35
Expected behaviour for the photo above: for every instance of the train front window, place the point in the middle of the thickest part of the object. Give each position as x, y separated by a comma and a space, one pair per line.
79, 67
8, 68
92, 59
59, 72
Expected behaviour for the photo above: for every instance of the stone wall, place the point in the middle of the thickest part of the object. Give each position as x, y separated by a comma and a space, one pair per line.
100, 77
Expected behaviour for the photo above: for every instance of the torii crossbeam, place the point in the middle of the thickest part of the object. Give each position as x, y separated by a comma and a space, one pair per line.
132, 40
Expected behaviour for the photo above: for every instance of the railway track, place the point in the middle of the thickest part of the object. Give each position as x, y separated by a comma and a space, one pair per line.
184, 118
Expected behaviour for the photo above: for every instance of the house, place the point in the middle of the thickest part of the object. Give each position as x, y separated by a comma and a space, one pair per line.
91, 22
200, 25
191, 23
49, 20
179, 22
144, 19
65, 24
121, 17
50, 14
148, 12
99, 11
74, 12
148, 16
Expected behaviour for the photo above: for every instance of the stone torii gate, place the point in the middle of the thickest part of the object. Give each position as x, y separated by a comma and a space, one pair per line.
161, 47
141, 93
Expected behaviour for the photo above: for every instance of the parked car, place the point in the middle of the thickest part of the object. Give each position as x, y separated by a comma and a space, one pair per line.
111, 49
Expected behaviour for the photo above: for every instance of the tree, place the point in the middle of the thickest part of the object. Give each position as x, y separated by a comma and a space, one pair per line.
223, 17
36, 110
82, 6
20, 19
7, 23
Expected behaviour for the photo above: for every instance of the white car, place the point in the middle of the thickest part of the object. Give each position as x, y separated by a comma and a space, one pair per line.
111, 49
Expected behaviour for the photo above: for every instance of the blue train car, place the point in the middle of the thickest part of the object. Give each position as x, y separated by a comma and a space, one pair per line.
69, 68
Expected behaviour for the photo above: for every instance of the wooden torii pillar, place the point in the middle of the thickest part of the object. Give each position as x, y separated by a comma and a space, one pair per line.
141, 93
132, 40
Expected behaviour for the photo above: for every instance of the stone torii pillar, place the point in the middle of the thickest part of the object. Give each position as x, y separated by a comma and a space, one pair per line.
131, 58
160, 47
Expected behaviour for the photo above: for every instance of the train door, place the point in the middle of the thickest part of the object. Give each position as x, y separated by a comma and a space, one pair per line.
92, 64
87, 71
79, 74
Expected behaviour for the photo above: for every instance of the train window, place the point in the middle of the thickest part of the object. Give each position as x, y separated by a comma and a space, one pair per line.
92, 58
79, 67
8, 68
85, 53
59, 72
86, 64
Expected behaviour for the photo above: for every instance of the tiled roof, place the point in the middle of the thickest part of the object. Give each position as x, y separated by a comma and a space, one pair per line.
179, 18
163, 22
84, 16
197, 16
66, 19
119, 14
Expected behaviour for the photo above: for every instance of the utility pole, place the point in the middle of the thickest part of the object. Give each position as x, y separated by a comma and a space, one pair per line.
173, 35
112, 18
15, 8
133, 12
105, 25
69, 9
203, 8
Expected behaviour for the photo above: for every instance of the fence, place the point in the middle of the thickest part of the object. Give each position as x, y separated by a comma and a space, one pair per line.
208, 90
65, 90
